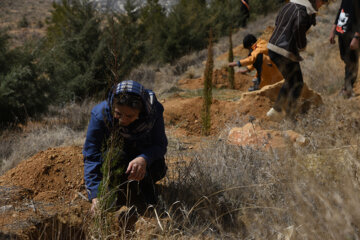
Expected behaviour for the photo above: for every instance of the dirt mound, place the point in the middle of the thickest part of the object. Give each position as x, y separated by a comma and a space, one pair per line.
220, 80
307, 97
51, 174
184, 114
47, 187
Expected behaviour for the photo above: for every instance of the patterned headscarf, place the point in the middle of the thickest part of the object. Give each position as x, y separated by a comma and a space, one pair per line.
143, 125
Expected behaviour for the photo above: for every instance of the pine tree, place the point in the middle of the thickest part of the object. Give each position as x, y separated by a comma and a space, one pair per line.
231, 74
23, 93
225, 13
112, 169
207, 92
73, 53
187, 26
112, 172
125, 42
153, 17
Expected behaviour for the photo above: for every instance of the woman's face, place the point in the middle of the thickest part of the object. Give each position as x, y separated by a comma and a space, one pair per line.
126, 115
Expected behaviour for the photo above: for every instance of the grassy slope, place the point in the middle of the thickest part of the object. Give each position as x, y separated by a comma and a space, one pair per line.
13, 11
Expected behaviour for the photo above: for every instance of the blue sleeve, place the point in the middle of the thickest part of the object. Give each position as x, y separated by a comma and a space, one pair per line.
93, 155
159, 141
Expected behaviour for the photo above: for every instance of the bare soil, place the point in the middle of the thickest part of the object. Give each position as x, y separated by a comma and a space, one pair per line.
48, 185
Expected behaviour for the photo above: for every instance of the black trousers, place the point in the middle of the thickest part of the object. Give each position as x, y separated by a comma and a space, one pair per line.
258, 65
144, 192
292, 87
351, 60
245, 15
138, 193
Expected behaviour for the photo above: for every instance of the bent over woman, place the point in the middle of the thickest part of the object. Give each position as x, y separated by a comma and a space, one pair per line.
127, 130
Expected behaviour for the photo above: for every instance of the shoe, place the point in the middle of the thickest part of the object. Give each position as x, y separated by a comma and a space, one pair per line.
255, 80
346, 94
349, 94
254, 88
274, 115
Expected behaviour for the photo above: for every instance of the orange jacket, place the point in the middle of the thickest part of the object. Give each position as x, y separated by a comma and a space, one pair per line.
270, 73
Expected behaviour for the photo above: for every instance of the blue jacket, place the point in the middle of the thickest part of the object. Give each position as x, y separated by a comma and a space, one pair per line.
151, 145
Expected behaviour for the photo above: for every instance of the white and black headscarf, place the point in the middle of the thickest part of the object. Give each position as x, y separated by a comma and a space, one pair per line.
147, 118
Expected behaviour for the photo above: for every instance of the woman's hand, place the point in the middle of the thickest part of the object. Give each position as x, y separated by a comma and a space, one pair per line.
136, 169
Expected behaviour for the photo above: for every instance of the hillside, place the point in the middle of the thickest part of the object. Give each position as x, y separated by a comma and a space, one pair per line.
251, 179
24, 20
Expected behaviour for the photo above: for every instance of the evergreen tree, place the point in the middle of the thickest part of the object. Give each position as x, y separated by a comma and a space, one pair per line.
153, 17
188, 24
225, 13
73, 53
231, 74
4, 58
125, 44
260, 7
23, 93
207, 92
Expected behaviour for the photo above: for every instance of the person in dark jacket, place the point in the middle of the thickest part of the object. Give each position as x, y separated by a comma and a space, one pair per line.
245, 12
289, 37
131, 119
346, 26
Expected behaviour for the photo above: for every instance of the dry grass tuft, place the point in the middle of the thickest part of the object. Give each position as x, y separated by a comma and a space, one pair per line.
239, 193
61, 127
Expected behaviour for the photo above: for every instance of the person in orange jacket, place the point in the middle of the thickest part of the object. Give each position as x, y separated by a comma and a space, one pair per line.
266, 71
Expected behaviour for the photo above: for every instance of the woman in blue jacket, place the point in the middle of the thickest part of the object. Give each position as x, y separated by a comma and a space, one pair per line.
132, 118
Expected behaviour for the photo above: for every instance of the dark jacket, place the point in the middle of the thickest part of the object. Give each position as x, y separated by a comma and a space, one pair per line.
151, 143
292, 23
346, 20
357, 13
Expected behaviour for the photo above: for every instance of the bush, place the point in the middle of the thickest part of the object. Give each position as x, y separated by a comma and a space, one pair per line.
23, 23
72, 55
82, 55
187, 29
123, 37
260, 7
23, 93
40, 24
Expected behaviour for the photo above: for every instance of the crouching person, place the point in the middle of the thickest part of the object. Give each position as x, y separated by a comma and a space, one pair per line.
266, 71
125, 147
